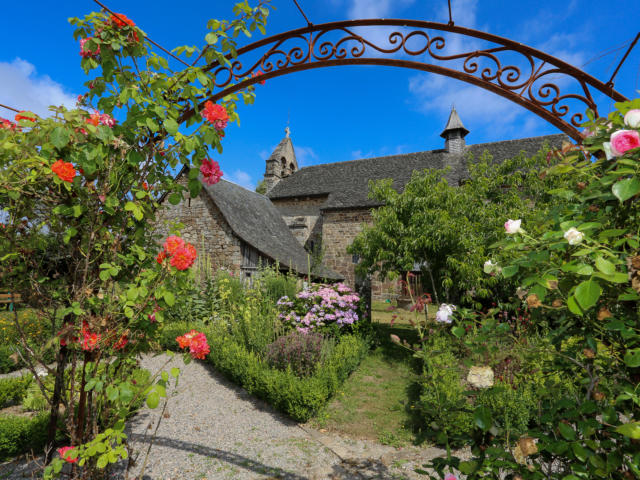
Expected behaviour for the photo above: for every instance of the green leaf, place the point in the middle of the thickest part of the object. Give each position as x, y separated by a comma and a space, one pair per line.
587, 293
468, 467
566, 431
153, 399
627, 188
103, 460
632, 358
175, 198
482, 418
175, 371
509, 271
211, 38
573, 306
171, 126
169, 298
605, 266
458, 331
60, 137
631, 429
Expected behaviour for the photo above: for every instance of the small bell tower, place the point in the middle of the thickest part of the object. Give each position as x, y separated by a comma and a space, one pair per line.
281, 163
454, 133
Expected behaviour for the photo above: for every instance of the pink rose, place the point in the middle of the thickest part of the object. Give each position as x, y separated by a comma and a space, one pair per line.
624, 140
450, 476
632, 118
211, 172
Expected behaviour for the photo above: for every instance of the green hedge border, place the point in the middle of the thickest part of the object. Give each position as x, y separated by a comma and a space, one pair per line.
300, 398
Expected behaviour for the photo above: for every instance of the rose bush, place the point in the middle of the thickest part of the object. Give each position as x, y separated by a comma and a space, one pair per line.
579, 279
80, 191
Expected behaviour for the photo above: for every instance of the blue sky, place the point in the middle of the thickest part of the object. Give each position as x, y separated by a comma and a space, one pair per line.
341, 113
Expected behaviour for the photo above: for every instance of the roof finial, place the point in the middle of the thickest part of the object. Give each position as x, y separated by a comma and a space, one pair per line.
287, 131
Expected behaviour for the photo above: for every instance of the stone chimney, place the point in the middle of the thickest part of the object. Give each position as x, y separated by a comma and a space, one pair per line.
281, 163
454, 133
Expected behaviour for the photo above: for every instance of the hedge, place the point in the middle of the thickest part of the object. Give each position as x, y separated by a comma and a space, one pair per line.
22, 434
298, 397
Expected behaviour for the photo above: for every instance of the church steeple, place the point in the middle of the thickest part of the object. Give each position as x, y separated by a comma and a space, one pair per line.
454, 133
281, 163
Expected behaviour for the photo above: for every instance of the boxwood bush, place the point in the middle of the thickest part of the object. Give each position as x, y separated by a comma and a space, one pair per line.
298, 397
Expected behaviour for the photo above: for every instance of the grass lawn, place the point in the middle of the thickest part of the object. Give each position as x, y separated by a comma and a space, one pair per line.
375, 401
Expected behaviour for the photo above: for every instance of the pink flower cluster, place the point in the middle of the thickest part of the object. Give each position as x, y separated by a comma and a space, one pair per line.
320, 305
85, 52
7, 124
210, 171
196, 342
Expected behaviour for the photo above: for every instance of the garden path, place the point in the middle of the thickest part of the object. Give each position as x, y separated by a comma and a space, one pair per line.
213, 429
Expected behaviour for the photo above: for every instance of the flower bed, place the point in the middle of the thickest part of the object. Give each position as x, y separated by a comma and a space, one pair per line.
298, 397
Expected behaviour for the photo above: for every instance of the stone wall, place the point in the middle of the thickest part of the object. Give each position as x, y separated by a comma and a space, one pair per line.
339, 228
204, 227
303, 217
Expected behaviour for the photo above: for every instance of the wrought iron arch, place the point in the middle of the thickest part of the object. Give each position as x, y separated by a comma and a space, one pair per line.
510, 69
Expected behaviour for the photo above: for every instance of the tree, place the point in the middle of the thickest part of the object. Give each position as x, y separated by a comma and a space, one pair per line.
80, 190
448, 229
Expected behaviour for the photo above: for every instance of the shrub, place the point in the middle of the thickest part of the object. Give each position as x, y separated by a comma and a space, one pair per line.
12, 390
20, 434
297, 350
300, 398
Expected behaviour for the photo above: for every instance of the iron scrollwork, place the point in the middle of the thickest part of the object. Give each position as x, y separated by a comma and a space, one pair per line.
549, 87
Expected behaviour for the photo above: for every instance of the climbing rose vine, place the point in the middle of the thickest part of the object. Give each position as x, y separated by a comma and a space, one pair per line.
79, 191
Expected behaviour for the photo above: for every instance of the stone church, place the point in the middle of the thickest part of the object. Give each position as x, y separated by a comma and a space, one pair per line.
320, 208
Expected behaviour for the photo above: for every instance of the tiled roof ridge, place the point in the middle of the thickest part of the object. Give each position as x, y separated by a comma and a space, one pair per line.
437, 150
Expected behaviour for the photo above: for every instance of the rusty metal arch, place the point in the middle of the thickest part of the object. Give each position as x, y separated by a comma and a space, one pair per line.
345, 43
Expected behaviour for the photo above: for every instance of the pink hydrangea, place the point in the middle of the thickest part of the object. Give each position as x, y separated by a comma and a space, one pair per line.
210, 171
624, 140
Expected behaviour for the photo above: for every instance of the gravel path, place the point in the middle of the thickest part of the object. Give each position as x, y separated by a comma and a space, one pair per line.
212, 429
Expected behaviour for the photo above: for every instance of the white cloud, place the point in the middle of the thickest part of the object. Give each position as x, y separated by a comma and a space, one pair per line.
305, 155
481, 109
241, 178
477, 107
23, 88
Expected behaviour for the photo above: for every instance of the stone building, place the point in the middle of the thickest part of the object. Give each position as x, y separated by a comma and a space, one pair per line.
239, 230
325, 206
321, 208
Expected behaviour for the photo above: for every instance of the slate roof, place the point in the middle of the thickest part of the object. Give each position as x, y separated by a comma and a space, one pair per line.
347, 183
258, 222
454, 123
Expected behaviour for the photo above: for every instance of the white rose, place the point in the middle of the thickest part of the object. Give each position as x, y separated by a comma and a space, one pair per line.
480, 377
632, 118
490, 267
606, 146
573, 236
512, 226
444, 313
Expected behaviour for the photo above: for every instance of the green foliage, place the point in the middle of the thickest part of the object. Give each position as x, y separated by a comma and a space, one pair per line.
12, 390
261, 188
579, 271
300, 398
20, 434
448, 228
80, 191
